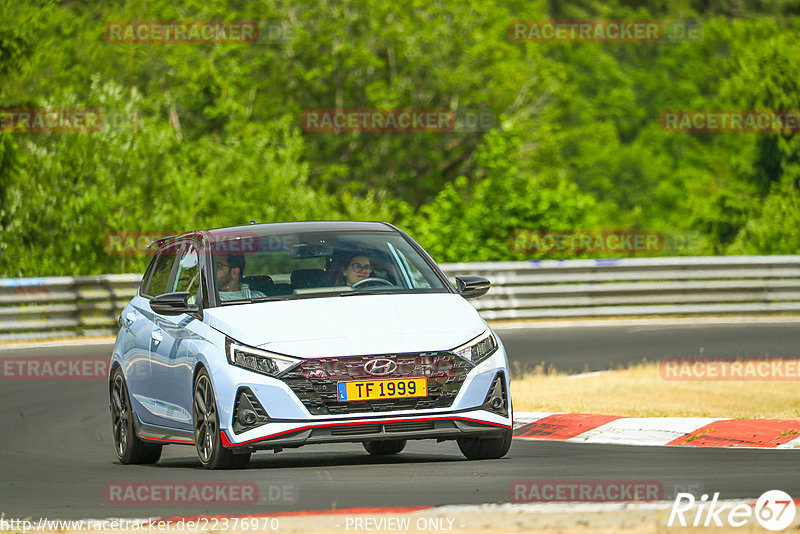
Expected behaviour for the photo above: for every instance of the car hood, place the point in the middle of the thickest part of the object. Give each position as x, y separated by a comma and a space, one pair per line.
341, 326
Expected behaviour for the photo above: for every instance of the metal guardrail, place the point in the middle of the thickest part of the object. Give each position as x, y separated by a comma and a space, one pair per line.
63, 306
38, 308
716, 285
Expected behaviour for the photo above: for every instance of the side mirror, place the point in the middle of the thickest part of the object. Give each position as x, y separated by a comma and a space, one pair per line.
472, 286
173, 304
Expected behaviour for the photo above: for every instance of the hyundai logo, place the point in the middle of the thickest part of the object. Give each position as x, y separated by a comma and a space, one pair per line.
380, 367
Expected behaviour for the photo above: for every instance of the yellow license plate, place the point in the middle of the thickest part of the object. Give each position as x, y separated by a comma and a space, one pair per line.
382, 389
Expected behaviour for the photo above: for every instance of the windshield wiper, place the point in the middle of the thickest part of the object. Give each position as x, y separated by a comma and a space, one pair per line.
368, 292
269, 299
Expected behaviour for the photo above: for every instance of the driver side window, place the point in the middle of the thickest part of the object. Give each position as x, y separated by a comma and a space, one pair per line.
159, 278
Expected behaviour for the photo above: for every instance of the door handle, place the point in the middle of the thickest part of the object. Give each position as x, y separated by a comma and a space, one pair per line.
157, 337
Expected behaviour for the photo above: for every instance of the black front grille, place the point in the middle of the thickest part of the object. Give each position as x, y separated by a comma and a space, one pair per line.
351, 430
315, 381
409, 426
382, 428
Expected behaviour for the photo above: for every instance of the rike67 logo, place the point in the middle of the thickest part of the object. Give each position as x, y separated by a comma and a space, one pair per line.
774, 510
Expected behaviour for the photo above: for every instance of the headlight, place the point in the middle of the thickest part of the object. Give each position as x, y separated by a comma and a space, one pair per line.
479, 348
260, 361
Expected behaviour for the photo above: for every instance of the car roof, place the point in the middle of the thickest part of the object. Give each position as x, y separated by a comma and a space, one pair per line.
268, 229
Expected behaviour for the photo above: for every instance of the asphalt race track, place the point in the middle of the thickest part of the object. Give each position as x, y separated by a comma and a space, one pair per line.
577, 349
57, 458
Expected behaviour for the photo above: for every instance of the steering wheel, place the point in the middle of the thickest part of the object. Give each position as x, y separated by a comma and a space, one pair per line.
372, 281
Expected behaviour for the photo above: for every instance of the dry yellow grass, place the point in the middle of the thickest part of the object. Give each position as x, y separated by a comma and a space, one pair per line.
640, 391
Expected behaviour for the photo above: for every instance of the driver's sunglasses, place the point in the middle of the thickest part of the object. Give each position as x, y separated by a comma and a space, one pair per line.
357, 267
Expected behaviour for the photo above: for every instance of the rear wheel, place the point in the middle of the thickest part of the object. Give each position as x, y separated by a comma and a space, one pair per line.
130, 449
392, 446
486, 448
207, 437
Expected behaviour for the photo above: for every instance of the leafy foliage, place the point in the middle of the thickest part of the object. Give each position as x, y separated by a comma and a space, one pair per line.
206, 135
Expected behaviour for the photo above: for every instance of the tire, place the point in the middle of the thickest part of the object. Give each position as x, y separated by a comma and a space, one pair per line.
381, 448
486, 448
130, 449
205, 422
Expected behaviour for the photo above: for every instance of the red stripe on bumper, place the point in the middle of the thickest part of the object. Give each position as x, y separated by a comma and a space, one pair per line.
162, 440
227, 443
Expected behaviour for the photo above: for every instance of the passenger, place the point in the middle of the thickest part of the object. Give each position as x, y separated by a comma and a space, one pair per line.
230, 270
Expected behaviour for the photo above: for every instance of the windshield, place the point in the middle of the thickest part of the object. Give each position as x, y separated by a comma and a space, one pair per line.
318, 264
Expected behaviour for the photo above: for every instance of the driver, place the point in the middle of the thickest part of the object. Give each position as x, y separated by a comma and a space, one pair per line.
230, 270
357, 268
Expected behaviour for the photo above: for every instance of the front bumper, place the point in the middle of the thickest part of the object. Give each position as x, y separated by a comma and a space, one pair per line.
440, 427
292, 421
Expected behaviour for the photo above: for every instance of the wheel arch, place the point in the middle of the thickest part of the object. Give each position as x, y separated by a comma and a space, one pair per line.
114, 366
198, 366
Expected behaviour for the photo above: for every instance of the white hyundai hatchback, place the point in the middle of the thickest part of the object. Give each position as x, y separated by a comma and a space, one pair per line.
270, 336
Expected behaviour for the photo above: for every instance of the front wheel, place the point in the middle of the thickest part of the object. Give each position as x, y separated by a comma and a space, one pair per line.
130, 449
486, 448
207, 438
381, 448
